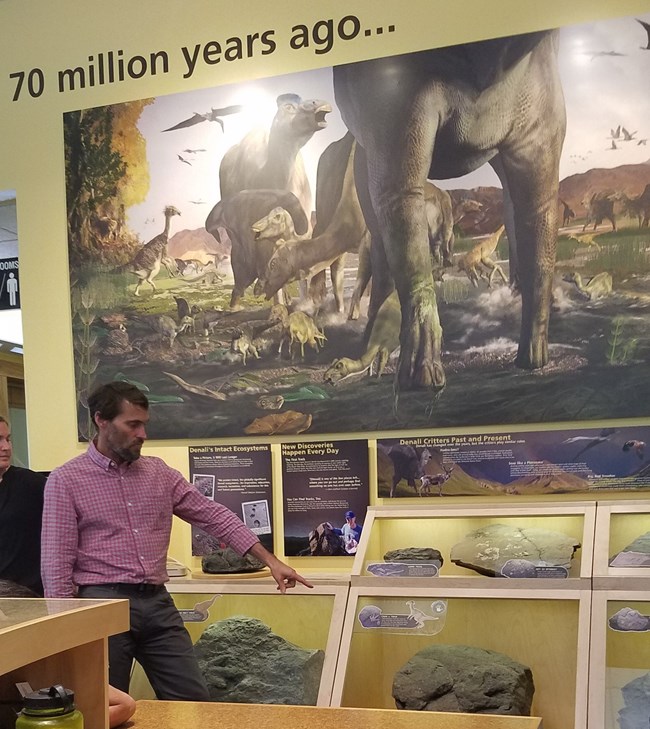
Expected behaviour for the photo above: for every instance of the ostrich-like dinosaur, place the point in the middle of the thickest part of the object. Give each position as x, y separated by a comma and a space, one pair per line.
149, 259
479, 256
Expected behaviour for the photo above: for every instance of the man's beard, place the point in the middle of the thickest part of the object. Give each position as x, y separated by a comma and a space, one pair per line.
128, 455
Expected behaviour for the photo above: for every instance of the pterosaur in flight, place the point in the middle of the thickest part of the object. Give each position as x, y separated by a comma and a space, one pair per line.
591, 441
214, 115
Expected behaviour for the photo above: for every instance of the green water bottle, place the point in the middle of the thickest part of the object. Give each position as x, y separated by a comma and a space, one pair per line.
50, 708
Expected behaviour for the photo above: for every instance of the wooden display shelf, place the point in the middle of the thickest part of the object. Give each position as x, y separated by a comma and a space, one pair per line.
547, 631
154, 714
394, 527
618, 523
45, 642
310, 618
615, 657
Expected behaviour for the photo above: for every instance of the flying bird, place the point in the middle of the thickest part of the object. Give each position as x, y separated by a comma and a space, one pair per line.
214, 115
615, 134
613, 145
197, 202
193, 151
647, 30
641, 141
638, 446
604, 436
182, 159
627, 136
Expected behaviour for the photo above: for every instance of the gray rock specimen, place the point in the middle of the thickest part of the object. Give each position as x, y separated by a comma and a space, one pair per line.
226, 560
415, 554
636, 697
636, 554
244, 662
487, 549
632, 620
461, 678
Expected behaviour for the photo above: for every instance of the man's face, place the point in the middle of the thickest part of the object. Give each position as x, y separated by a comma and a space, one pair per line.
5, 448
121, 438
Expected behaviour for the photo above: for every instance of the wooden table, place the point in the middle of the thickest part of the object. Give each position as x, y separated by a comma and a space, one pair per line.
180, 714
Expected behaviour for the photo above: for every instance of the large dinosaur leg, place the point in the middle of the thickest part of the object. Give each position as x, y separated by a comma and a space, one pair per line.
532, 172
337, 272
407, 250
398, 201
364, 271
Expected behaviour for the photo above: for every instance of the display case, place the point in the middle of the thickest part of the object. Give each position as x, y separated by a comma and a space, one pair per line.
443, 527
154, 714
547, 632
619, 683
622, 546
46, 642
311, 619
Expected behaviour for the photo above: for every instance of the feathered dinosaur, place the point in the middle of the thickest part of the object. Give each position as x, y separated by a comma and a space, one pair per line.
149, 259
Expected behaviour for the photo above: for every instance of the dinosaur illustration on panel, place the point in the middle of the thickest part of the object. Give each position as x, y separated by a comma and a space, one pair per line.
597, 286
148, 260
383, 341
443, 113
600, 206
479, 256
236, 215
271, 158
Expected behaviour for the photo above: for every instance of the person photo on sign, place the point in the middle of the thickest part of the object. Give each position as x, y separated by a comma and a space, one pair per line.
106, 528
351, 532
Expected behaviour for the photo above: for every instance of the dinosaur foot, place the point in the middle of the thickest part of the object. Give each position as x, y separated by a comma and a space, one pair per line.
419, 364
533, 355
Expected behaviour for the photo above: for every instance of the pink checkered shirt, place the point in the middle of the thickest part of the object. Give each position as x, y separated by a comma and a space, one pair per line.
106, 523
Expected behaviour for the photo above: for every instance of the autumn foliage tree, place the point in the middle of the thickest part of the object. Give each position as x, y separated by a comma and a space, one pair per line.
106, 172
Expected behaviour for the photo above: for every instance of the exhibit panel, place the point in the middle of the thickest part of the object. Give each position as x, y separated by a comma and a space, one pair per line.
619, 674
480, 651
48, 642
536, 546
622, 545
262, 637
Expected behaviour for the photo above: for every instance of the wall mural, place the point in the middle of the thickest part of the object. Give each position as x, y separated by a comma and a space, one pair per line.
493, 197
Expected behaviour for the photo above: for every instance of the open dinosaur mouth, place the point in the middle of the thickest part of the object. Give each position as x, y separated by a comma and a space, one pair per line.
320, 115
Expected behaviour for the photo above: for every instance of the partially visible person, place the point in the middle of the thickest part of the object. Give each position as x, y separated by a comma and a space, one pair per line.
351, 532
21, 509
106, 529
121, 706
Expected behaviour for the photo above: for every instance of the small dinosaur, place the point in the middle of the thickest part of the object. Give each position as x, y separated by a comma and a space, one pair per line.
597, 286
478, 256
383, 341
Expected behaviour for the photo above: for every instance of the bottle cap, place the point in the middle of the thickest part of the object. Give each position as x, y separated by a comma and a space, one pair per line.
55, 697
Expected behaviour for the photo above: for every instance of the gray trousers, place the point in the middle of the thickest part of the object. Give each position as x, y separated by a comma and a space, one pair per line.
157, 639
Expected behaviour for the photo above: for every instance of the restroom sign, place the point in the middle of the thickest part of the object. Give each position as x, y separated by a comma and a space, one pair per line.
9, 284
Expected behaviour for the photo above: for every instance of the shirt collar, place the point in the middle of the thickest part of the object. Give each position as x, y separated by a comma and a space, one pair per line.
107, 464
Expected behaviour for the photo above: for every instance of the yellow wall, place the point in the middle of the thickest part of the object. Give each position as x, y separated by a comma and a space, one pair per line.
56, 35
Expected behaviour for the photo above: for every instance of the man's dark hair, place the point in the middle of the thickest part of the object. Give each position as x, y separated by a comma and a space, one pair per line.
107, 399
